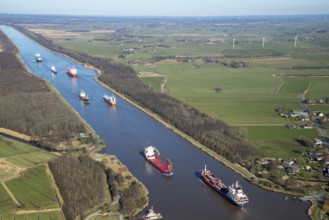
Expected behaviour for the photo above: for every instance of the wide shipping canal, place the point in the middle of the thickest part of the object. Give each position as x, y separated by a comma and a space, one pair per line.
127, 131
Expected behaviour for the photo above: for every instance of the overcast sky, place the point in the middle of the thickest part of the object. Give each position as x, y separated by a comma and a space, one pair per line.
165, 7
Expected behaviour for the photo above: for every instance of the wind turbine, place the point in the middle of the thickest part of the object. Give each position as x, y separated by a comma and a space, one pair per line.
233, 42
263, 44
296, 41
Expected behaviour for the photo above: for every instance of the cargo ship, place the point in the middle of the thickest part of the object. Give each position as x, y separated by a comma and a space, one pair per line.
110, 99
53, 69
84, 97
73, 72
233, 193
152, 155
38, 57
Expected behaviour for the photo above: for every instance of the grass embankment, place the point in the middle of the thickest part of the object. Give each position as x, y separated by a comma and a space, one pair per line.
15, 134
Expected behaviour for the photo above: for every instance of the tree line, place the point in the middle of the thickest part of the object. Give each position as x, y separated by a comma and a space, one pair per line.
28, 106
82, 183
131, 199
210, 131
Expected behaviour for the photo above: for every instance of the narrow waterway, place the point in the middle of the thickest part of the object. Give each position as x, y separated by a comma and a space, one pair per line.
127, 131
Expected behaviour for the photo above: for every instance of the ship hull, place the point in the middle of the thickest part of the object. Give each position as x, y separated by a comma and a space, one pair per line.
71, 74
160, 166
222, 191
85, 100
108, 100
228, 197
218, 190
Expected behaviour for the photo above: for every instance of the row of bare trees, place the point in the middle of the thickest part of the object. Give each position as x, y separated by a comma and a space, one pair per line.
82, 183
27, 104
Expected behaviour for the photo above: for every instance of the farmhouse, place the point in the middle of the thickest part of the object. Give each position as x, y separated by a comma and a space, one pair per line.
316, 156
293, 169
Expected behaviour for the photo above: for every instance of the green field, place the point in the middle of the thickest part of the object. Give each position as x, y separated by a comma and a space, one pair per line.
23, 155
284, 144
106, 218
27, 160
320, 108
154, 82
33, 189
55, 215
6, 202
11, 148
23, 167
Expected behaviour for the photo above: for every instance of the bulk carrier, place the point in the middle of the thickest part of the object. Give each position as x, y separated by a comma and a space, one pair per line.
233, 193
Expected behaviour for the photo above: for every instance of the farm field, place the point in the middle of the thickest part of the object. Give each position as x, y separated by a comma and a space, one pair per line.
54, 215
241, 84
23, 175
33, 189
285, 142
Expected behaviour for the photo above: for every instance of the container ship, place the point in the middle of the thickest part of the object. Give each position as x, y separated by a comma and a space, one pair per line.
53, 69
84, 97
38, 57
233, 193
152, 155
110, 99
73, 72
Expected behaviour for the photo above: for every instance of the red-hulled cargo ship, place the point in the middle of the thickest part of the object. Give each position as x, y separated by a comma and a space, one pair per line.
73, 72
152, 155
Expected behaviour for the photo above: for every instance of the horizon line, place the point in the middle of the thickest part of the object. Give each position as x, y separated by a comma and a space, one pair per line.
169, 16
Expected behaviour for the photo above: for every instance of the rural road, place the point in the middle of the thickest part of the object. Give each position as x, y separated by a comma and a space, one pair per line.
315, 122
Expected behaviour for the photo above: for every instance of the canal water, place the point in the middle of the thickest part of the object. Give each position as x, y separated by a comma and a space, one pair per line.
127, 131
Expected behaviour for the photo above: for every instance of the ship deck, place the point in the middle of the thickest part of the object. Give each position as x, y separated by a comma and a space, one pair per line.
159, 164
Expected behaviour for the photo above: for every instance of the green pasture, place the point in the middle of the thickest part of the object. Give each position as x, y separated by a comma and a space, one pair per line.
55, 215
319, 108
33, 189
94, 48
21, 154
153, 82
27, 160
106, 218
11, 147
6, 203
246, 96
279, 141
